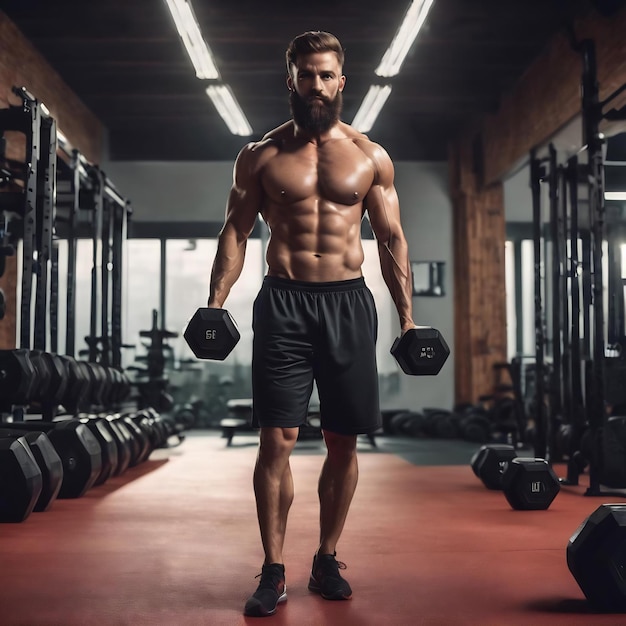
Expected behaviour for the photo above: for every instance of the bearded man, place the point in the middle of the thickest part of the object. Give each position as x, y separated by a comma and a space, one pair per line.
312, 179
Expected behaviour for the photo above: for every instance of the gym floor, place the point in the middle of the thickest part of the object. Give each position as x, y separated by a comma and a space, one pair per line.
174, 541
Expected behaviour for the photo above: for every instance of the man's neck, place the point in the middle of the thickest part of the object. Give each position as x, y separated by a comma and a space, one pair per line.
316, 138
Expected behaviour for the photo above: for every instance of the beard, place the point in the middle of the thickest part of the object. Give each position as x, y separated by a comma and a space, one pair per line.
313, 115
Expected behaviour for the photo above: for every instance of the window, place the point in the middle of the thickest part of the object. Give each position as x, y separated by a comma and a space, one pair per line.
141, 292
187, 273
511, 314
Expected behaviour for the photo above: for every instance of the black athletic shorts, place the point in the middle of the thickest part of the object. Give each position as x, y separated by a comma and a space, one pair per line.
306, 331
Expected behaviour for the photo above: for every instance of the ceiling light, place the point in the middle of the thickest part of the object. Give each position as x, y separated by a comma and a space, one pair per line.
229, 109
370, 107
402, 42
189, 32
615, 195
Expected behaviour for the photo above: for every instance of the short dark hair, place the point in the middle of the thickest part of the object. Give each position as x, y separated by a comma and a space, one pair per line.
313, 41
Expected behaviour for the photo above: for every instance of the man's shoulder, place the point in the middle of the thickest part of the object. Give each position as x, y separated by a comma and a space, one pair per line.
362, 141
378, 156
275, 137
374, 151
268, 145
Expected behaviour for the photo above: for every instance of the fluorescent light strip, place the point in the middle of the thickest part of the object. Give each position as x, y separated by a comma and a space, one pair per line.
229, 109
371, 107
401, 44
615, 195
189, 32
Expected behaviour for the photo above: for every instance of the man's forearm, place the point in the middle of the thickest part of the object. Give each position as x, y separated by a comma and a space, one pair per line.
396, 271
226, 270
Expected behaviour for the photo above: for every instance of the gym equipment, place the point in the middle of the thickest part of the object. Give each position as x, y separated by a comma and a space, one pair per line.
530, 484
490, 463
595, 558
154, 425
473, 424
155, 359
421, 351
388, 415
142, 439
134, 446
409, 423
122, 443
77, 384
58, 381
439, 423
79, 451
108, 447
17, 378
20, 479
41, 389
211, 334
48, 461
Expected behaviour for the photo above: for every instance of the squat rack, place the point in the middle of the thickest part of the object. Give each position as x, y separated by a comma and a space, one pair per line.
569, 401
59, 193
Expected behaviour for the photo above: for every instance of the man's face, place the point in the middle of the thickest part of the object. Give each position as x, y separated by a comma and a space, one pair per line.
315, 84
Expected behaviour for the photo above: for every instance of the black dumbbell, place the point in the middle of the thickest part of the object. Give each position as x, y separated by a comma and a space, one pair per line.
491, 462
49, 462
108, 447
77, 385
211, 334
18, 378
439, 423
530, 484
78, 449
142, 438
122, 442
421, 351
409, 423
135, 444
473, 425
20, 479
595, 558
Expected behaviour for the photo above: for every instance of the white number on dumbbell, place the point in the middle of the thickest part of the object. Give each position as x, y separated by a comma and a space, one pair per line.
210, 334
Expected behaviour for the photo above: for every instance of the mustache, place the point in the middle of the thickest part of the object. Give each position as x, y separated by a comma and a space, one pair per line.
324, 99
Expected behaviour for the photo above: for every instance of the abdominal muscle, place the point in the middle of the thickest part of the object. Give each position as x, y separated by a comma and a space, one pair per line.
314, 241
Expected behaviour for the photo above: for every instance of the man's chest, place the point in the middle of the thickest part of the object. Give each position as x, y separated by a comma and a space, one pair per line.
342, 175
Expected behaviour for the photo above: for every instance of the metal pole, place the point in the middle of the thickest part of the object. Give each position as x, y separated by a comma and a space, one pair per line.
592, 114
541, 447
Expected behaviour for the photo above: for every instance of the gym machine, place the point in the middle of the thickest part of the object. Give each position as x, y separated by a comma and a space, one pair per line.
65, 425
583, 374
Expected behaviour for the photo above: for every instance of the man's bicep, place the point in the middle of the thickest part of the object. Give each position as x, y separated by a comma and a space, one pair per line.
383, 210
245, 197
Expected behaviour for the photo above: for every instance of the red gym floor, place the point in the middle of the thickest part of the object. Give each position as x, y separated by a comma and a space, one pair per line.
175, 542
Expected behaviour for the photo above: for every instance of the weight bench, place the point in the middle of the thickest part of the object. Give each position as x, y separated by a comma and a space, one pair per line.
240, 417
231, 425
238, 420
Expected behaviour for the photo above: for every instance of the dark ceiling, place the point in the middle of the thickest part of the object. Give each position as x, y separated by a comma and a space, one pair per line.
126, 62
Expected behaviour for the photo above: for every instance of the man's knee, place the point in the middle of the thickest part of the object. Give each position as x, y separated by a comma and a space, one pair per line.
275, 442
340, 445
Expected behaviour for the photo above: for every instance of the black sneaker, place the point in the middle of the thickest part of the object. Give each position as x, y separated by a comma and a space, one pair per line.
326, 579
271, 590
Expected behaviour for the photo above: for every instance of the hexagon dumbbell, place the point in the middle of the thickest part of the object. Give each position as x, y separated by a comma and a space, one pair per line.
530, 484
211, 334
421, 351
21, 479
491, 462
595, 558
